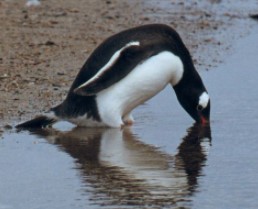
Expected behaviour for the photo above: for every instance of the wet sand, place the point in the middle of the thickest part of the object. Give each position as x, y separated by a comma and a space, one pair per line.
43, 48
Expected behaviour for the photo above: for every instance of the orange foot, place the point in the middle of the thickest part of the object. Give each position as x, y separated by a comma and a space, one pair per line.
128, 119
129, 122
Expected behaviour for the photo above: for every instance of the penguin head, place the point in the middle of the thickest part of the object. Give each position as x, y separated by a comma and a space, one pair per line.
196, 102
203, 108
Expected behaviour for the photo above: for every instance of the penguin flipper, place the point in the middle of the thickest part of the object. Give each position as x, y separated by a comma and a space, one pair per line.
119, 66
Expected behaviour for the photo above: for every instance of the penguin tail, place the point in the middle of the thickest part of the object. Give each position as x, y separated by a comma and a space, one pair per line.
41, 121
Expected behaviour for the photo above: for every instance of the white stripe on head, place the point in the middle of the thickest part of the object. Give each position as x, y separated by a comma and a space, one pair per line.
112, 60
204, 99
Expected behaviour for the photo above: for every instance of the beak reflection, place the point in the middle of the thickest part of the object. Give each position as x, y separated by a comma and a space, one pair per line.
123, 170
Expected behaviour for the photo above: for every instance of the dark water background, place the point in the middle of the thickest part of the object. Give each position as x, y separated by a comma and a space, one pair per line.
163, 161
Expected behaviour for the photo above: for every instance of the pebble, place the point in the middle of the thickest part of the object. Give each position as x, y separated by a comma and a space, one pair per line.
4, 76
31, 3
8, 127
254, 16
50, 43
60, 73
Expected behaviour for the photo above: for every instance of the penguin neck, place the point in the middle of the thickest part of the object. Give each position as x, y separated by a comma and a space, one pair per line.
191, 79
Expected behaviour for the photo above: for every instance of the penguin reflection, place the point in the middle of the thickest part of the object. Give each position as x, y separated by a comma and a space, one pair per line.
121, 170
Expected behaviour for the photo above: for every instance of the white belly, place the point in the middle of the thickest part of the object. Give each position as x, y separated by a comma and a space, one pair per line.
145, 81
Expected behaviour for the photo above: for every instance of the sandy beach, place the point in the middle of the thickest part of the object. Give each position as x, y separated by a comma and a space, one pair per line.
43, 47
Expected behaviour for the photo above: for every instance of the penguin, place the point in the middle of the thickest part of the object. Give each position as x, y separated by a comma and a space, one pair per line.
123, 72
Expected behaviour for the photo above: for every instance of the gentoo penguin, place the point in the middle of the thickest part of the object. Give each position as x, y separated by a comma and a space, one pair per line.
126, 70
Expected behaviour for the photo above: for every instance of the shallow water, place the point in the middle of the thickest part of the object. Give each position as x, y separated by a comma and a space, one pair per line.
163, 161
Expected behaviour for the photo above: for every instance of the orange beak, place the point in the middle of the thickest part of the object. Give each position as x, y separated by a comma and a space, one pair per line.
204, 120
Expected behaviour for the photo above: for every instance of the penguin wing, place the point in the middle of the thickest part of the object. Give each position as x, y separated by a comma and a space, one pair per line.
119, 66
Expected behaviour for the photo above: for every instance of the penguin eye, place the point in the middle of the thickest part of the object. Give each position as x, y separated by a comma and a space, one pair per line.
199, 107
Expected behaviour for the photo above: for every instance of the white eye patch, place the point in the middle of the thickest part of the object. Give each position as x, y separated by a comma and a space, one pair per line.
204, 99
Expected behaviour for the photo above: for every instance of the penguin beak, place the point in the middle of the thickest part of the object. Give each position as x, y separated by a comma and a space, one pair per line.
204, 120
204, 117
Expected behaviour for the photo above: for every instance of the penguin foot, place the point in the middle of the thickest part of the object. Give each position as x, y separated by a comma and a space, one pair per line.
129, 122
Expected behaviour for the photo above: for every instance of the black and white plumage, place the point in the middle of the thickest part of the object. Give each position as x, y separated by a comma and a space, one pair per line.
126, 70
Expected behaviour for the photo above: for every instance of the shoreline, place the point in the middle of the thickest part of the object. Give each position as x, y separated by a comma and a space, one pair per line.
44, 47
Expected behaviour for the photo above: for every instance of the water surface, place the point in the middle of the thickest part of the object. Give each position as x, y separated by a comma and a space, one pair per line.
163, 161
